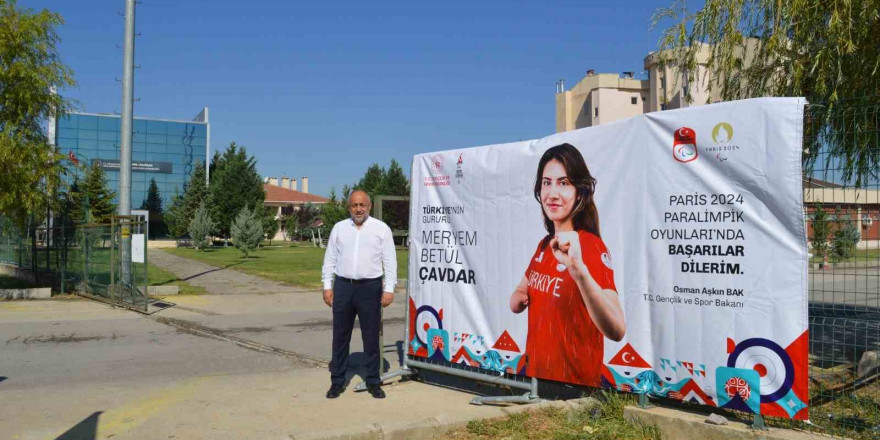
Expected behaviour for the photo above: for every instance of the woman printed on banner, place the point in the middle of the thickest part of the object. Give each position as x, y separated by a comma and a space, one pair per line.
569, 284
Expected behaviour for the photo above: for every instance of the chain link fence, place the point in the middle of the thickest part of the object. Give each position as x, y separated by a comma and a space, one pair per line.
842, 214
81, 259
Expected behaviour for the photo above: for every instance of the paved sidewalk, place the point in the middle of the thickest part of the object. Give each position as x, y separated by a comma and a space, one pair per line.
218, 407
217, 280
224, 367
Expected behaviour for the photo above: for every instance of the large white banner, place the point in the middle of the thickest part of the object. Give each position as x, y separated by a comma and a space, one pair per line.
662, 254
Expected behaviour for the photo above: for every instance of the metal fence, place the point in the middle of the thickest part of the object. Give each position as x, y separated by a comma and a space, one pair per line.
81, 259
842, 214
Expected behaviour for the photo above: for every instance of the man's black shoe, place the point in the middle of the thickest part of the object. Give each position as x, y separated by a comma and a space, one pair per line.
376, 391
335, 391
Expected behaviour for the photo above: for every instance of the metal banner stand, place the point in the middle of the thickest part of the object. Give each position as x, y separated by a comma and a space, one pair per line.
410, 367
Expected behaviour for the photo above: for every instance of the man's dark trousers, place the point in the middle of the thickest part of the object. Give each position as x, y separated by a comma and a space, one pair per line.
363, 299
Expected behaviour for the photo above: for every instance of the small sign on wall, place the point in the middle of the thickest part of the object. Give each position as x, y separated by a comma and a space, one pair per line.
137, 248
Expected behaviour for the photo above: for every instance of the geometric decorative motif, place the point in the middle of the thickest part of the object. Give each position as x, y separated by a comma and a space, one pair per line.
438, 344
739, 389
427, 318
769, 361
629, 357
791, 404
505, 342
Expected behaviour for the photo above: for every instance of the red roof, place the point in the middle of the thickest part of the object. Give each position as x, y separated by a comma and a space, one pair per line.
277, 194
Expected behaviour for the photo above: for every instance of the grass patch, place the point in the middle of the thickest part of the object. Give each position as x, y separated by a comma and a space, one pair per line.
863, 256
601, 422
840, 409
294, 265
7, 282
161, 277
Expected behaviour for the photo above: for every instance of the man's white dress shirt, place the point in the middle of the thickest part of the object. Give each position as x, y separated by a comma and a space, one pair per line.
360, 253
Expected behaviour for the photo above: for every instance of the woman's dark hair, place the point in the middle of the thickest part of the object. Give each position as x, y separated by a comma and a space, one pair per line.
584, 214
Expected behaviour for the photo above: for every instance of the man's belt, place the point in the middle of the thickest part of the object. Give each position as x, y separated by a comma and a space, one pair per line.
360, 281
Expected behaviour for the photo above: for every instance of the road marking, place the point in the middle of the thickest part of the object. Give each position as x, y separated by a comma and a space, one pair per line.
129, 416
190, 300
12, 306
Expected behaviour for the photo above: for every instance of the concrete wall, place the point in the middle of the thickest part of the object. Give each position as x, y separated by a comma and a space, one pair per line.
607, 92
32, 293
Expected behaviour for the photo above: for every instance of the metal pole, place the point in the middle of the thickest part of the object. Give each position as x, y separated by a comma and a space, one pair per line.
112, 254
33, 232
63, 262
758, 423
643, 401
126, 136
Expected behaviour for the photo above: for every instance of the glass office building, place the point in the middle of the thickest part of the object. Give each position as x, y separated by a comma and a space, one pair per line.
162, 149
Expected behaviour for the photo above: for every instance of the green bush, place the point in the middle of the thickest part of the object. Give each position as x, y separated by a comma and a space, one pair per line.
846, 236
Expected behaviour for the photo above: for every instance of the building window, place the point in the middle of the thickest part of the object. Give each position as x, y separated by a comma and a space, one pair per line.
596, 112
634, 100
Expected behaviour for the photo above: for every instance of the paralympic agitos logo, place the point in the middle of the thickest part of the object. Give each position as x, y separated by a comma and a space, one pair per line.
684, 145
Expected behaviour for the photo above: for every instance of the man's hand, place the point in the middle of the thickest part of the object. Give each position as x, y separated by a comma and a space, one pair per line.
387, 298
328, 297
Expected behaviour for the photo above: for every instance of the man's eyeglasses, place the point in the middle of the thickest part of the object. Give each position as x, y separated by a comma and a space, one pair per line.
358, 205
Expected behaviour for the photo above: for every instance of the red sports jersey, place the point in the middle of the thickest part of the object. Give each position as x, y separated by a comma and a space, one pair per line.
563, 343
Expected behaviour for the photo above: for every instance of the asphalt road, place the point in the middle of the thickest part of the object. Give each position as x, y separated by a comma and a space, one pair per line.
856, 287
79, 369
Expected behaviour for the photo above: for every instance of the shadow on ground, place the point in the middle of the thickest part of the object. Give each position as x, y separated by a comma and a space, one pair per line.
85, 430
212, 270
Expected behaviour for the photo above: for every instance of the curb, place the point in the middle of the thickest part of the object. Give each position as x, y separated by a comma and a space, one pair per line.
28, 293
163, 290
684, 425
433, 427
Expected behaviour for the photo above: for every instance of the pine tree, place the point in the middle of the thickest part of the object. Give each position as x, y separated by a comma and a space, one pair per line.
270, 224
334, 210
75, 208
184, 206
200, 228
196, 191
235, 185
373, 181
846, 236
175, 221
101, 206
395, 212
821, 231
396, 182
246, 231
153, 204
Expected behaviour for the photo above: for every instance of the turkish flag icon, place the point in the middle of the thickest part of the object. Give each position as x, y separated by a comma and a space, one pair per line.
684, 145
628, 357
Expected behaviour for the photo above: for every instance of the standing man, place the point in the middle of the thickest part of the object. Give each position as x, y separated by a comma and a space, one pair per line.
358, 250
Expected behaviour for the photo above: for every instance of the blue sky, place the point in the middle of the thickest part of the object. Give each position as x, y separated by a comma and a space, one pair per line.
324, 89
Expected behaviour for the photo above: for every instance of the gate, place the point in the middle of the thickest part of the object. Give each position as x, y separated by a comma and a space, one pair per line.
97, 269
